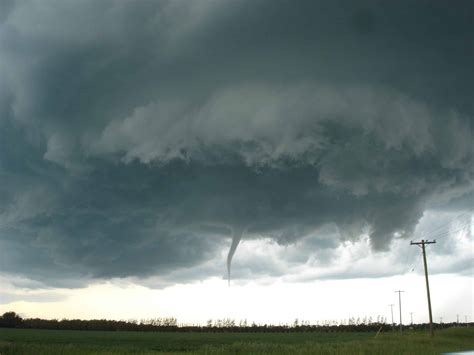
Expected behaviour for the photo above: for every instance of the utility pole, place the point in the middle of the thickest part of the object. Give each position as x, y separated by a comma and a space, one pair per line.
422, 245
393, 323
400, 306
411, 316
457, 319
465, 319
440, 320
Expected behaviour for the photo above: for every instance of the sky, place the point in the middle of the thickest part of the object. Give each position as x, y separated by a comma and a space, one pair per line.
261, 160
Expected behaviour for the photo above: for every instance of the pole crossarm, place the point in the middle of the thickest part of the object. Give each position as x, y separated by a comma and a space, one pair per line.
423, 242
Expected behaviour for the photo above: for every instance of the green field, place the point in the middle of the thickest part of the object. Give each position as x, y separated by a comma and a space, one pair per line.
29, 341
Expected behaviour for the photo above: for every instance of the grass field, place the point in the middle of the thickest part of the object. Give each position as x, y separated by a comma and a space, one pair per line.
50, 342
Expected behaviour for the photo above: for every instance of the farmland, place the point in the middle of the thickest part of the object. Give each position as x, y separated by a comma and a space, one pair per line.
33, 341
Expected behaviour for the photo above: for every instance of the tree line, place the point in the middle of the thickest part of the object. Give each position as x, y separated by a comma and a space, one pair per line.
170, 324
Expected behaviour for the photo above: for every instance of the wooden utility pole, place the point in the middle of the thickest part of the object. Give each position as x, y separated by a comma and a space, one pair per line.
400, 306
393, 323
422, 246
411, 317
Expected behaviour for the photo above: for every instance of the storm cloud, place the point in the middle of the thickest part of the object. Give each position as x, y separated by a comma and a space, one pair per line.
136, 136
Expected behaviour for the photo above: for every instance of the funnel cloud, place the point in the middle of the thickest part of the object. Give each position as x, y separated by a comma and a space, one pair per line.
236, 237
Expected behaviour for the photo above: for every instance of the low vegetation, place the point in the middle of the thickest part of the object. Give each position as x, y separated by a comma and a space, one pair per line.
170, 324
50, 342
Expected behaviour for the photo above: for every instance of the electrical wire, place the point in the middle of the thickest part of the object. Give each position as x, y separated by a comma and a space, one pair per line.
446, 224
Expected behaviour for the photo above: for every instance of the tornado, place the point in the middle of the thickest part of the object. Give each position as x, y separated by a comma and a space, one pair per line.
236, 236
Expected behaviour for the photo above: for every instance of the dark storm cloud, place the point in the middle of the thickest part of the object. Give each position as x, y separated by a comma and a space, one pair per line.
136, 135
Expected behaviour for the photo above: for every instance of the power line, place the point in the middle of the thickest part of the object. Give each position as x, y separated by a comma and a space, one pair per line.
446, 224
446, 228
451, 231
450, 227
408, 261
411, 263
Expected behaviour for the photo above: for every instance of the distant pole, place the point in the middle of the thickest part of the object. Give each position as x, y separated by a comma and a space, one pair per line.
400, 306
440, 320
457, 319
411, 316
422, 245
393, 323
465, 319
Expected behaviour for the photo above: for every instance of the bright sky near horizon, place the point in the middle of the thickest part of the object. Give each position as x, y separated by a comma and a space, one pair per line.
267, 302
149, 150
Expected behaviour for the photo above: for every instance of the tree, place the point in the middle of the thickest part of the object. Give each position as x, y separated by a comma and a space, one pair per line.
10, 320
